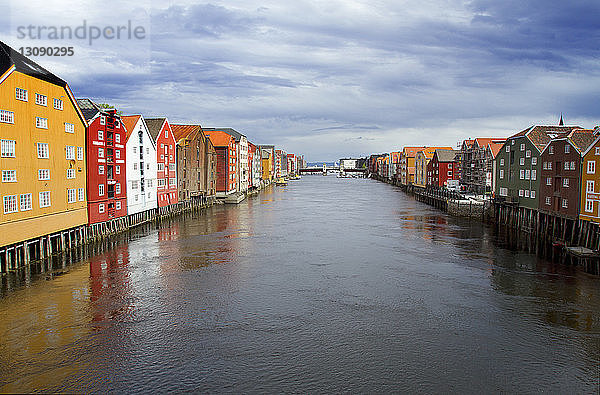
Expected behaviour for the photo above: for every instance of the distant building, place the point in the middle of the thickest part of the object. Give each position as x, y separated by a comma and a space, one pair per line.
268, 162
407, 164
590, 181
443, 167
226, 162
242, 169
166, 160
141, 166
518, 165
560, 186
421, 161
477, 159
106, 155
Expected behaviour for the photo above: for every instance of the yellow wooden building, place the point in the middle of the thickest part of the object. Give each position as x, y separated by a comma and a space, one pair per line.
42, 158
422, 159
267, 154
589, 208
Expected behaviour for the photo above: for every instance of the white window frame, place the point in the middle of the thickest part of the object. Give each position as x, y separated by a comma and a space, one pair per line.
81, 194
70, 174
100, 152
71, 195
8, 148
7, 116
548, 200
521, 192
590, 186
100, 189
69, 128
532, 194
70, 152
589, 206
533, 175
117, 169
591, 167
548, 180
41, 123
43, 201
58, 104
101, 208
9, 176
10, 203
117, 188
565, 203
21, 94
118, 205
567, 148
551, 150
501, 174
41, 100
43, 151
522, 161
528, 153
79, 153
565, 182
521, 174
25, 202
534, 160
43, 174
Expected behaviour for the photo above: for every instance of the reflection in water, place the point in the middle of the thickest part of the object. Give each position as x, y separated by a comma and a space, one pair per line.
328, 284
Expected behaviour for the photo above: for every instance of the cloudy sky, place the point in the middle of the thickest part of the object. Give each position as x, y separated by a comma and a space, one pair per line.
334, 78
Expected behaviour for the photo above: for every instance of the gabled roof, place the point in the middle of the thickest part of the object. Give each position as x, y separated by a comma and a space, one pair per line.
130, 121
444, 155
232, 132
540, 135
582, 138
88, 108
185, 131
218, 137
411, 152
155, 125
9, 58
495, 147
484, 141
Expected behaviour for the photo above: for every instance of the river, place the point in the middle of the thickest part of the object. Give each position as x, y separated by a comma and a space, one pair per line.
325, 285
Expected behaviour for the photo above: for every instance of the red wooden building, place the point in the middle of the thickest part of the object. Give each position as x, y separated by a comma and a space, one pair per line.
166, 166
106, 169
442, 167
226, 161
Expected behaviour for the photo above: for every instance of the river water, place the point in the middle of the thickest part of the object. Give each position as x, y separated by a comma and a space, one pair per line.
325, 285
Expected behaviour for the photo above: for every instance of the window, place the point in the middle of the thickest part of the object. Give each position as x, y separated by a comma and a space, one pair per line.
58, 104
551, 150
565, 182
41, 123
101, 189
117, 169
25, 201
149, 183
81, 194
572, 165
534, 160
79, 153
591, 167
597, 151
117, 188
100, 152
7, 148
70, 173
508, 147
101, 208
117, 138
43, 174
533, 194
503, 191
101, 169
527, 193
100, 134
147, 166
172, 181
161, 166
450, 173
134, 184
70, 152
166, 133
10, 204
118, 154
565, 203
566, 165
527, 174
69, 128
501, 174
71, 195
172, 166
522, 174
147, 150
9, 176
502, 162
589, 206
134, 165
45, 199
21, 94
533, 175
102, 120
548, 181
548, 200
118, 205
567, 148
449, 165
589, 186
43, 151
161, 182
528, 154
522, 146
522, 161
41, 100
7, 116
134, 150
521, 193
